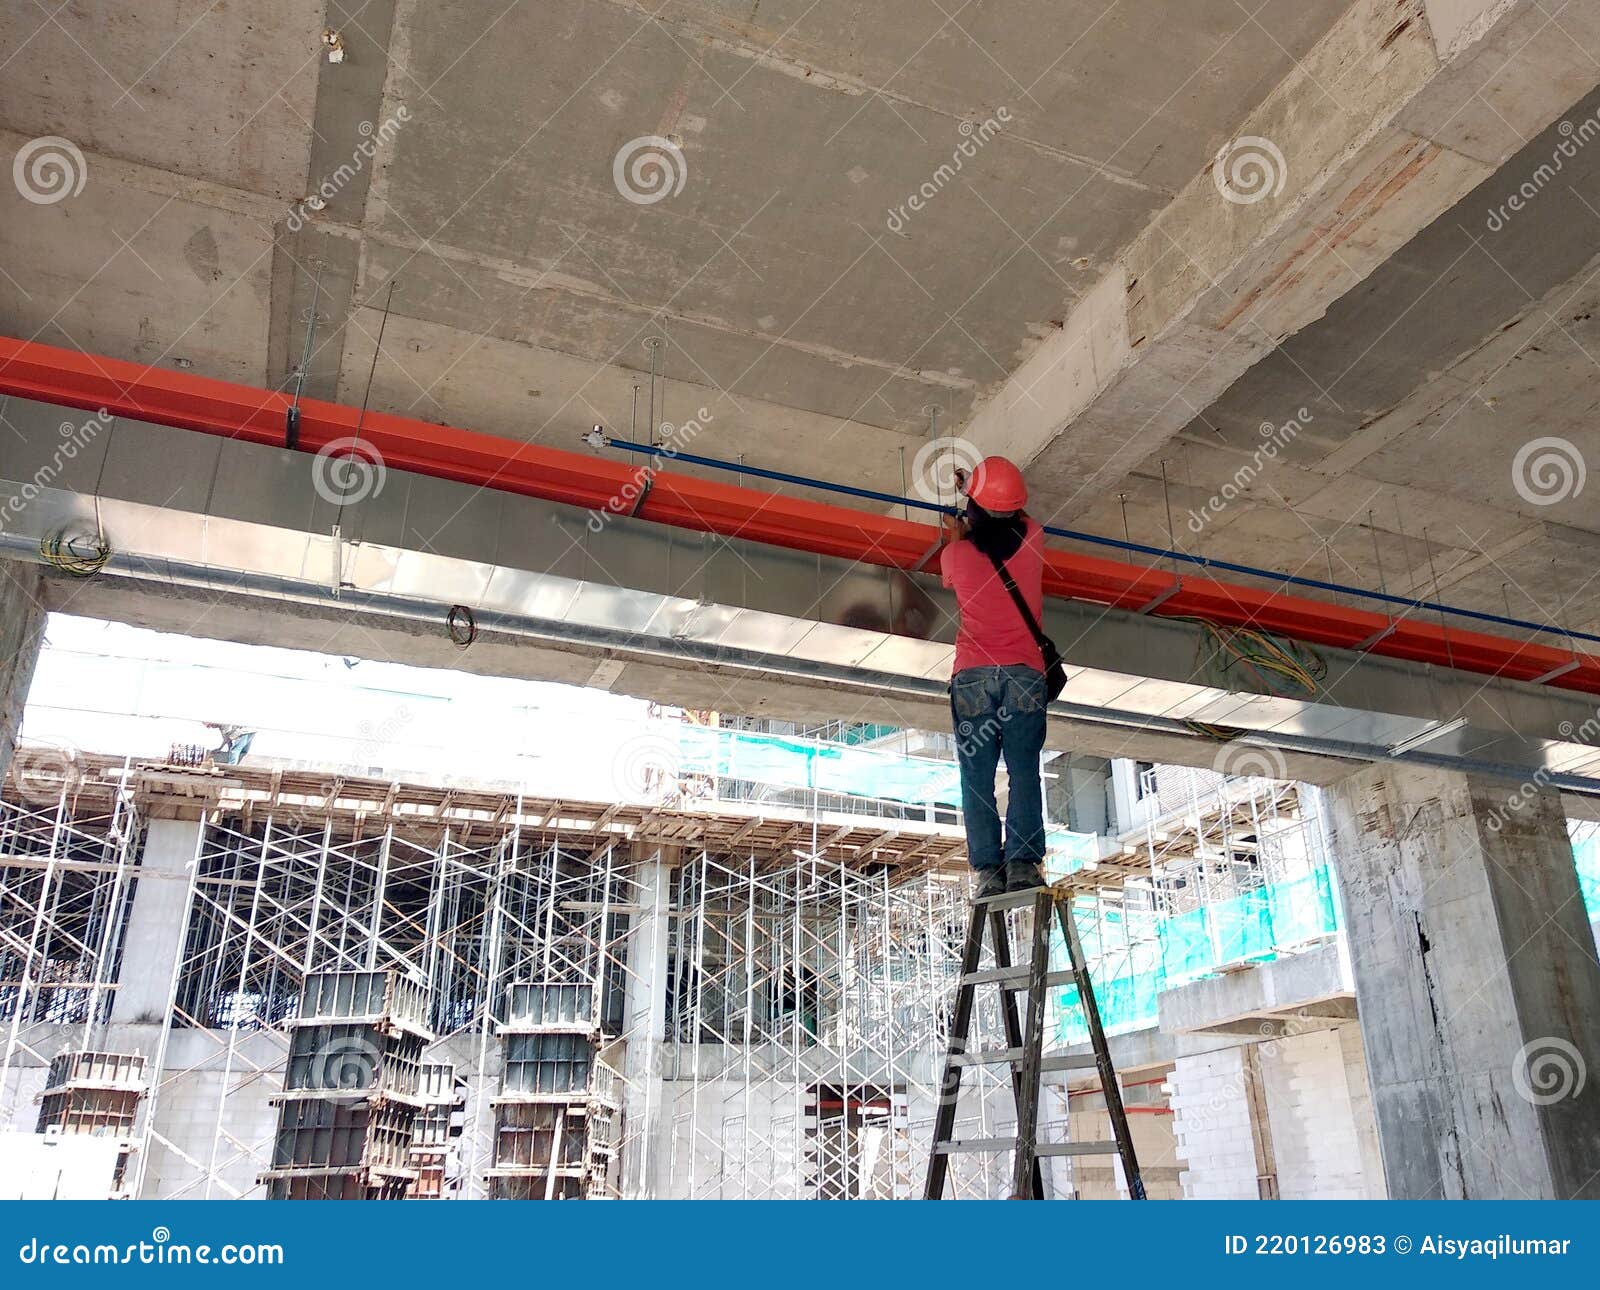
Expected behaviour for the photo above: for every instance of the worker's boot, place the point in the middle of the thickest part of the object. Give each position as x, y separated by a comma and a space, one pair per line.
991, 882
1024, 875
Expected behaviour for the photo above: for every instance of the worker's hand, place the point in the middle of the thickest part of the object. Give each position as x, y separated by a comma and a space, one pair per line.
954, 527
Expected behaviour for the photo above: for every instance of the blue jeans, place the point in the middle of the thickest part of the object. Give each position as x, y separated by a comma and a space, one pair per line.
1000, 711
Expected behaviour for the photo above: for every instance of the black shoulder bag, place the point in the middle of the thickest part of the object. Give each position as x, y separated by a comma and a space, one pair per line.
1055, 671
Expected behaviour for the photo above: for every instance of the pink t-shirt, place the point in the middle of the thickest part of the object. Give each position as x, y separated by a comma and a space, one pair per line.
992, 633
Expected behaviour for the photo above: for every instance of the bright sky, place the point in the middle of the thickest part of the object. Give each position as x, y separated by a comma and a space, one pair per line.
110, 688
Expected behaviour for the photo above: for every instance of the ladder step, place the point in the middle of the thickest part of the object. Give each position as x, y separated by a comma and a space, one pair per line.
1043, 1149
1084, 1063
1015, 978
1076, 1149
973, 1144
1000, 1056
1011, 899
987, 1057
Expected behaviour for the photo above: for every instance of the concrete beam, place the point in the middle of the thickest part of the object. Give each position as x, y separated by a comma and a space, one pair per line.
691, 684
1394, 115
350, 102
1288, 995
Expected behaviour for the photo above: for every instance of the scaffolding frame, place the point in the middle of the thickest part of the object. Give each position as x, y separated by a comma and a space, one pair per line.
771, 1016
68, 871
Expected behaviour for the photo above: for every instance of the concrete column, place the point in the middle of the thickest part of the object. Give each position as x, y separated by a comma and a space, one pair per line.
157, 923
1477, 982
645, 1027
22, 618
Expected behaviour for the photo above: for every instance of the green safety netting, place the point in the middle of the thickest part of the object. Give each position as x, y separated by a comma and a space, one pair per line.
808, 764
1131, 963
1586, 851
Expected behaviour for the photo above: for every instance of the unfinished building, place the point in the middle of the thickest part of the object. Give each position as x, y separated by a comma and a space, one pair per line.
657, 373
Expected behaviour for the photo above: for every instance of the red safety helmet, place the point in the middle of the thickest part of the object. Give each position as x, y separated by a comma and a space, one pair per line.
997, 486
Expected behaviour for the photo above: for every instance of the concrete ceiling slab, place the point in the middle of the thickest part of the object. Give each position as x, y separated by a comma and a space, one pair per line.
136, 275
1418, 389
778, 238
552, 398
814, 317
220, 91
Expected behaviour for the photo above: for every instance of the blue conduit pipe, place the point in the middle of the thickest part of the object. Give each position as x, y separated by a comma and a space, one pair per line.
1115, 544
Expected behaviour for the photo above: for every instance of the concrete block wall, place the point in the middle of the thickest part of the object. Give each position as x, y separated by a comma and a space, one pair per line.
1211, 1120
1361, 1110
1316, 1140
18, 1089
1324, 1142
1154, 1142
187, 1117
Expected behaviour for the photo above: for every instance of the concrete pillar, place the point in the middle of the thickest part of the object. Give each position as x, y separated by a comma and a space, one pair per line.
22, 618
1477, 982
157, 923
645, 1027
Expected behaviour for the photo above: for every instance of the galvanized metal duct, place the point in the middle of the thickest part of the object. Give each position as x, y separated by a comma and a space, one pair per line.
240, 518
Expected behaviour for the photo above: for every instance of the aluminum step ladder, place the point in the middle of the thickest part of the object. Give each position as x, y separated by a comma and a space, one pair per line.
1025, 1045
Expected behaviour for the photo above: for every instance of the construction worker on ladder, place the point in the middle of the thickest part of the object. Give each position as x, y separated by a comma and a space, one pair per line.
998, 689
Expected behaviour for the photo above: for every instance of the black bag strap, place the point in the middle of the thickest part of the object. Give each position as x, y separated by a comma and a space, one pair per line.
1039, 638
